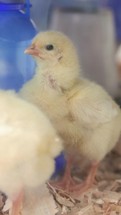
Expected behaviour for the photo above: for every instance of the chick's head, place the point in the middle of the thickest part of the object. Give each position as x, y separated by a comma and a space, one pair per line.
54, 51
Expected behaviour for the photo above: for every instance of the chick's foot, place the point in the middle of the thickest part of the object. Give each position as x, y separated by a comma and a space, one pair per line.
67, 181
84, 186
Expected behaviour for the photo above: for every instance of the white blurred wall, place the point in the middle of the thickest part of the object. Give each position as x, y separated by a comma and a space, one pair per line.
39, 13
93, 35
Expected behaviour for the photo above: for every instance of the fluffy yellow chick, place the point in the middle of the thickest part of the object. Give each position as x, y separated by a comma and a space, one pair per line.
86, 117
28, 146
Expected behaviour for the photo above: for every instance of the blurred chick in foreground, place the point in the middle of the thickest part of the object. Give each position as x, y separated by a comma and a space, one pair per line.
28, 146
86, 117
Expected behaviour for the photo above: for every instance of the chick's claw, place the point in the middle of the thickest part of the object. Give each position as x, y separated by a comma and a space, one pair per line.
80, 188
84, 186
69, 185
65, 183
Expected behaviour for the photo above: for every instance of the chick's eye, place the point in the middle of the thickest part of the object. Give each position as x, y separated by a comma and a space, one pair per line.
49, 47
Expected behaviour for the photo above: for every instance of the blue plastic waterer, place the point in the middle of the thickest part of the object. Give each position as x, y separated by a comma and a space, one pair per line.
16, 32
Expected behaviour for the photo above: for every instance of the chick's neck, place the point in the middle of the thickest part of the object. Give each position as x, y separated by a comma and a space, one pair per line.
58, 77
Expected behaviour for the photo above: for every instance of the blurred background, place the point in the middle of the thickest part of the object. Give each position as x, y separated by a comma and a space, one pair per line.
93, 25
95, 28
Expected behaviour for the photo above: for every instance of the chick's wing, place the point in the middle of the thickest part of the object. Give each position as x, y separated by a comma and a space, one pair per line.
92, 106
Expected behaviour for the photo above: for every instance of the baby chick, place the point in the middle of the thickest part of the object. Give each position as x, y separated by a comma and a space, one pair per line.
86, 117
28, 146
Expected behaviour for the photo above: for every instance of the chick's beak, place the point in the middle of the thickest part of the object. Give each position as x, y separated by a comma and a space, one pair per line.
32, 50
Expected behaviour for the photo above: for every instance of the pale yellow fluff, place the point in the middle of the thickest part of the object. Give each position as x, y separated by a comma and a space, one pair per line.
28, 145
84, 114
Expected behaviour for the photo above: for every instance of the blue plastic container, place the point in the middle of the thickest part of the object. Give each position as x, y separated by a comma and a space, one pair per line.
16, 33
60, 163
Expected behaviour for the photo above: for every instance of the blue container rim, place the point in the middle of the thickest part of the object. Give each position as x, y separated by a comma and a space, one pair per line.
18, 43
13, 6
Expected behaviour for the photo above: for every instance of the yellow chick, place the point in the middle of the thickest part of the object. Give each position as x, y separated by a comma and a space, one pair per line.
86, 117
28, 146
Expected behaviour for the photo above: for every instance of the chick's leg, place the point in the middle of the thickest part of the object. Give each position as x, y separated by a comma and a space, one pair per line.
17, 203
80, 188
66, 180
